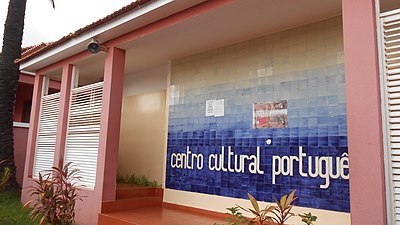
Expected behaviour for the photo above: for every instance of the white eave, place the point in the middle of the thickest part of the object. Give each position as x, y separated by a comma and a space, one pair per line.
139, 17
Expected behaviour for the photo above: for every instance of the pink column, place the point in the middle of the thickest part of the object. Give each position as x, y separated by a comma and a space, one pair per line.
367, 181
32, 135
62, 124
33, 125
110, 122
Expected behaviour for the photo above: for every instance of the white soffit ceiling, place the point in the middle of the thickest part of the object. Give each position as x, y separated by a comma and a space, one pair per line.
231, 23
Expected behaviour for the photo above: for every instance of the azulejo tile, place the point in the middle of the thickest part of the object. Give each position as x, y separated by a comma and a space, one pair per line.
317, 127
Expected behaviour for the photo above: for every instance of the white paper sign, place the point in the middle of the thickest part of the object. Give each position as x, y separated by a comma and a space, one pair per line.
215, 107
219, 107
210, 107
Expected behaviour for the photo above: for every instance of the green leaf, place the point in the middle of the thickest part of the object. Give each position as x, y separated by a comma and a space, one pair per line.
313, 218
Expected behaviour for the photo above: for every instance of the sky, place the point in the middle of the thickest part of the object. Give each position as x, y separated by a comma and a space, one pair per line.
44, 24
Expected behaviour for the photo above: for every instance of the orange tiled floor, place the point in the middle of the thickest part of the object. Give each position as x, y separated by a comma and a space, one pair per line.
164, 216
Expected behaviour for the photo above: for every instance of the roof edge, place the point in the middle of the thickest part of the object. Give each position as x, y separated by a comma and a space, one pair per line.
34, 51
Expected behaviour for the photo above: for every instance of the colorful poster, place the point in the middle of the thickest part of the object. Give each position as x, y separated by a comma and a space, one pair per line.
270, 115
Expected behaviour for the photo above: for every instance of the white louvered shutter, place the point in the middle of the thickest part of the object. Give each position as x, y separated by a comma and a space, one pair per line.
46, 139
390, 39
83, 131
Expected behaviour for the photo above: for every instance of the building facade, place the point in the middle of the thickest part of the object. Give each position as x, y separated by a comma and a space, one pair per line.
217, 99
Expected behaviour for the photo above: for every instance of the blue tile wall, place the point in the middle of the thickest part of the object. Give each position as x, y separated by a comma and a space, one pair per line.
316, 122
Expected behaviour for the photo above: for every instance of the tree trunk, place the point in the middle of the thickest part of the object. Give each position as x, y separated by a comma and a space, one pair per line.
9, 75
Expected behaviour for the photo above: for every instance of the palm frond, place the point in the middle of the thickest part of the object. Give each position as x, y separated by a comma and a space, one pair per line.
52, 3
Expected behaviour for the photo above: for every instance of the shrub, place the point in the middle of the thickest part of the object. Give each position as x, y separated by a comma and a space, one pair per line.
140, 180
308, 218
236, 217
272, 214
4, 176
284, 206
55, 196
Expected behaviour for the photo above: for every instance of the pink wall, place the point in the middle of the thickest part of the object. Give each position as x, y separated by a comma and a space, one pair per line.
24, 93
367, 190
20, 139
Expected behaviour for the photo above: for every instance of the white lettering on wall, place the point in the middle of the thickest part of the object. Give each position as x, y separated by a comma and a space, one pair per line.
187, 160
318, 166
236, 163
325, 167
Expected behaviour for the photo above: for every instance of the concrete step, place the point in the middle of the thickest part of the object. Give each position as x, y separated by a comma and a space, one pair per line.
131, 203
105, 219
137, 191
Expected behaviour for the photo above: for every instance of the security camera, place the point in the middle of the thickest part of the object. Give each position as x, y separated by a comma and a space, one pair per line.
94, 47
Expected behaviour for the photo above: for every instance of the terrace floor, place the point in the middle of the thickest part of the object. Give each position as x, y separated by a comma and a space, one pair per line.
135, 205
161, 216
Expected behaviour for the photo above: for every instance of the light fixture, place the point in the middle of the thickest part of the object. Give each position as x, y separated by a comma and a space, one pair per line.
94, 47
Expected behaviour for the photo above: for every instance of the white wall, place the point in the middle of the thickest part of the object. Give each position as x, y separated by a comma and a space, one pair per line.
219, 204
143, 131
148, 81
